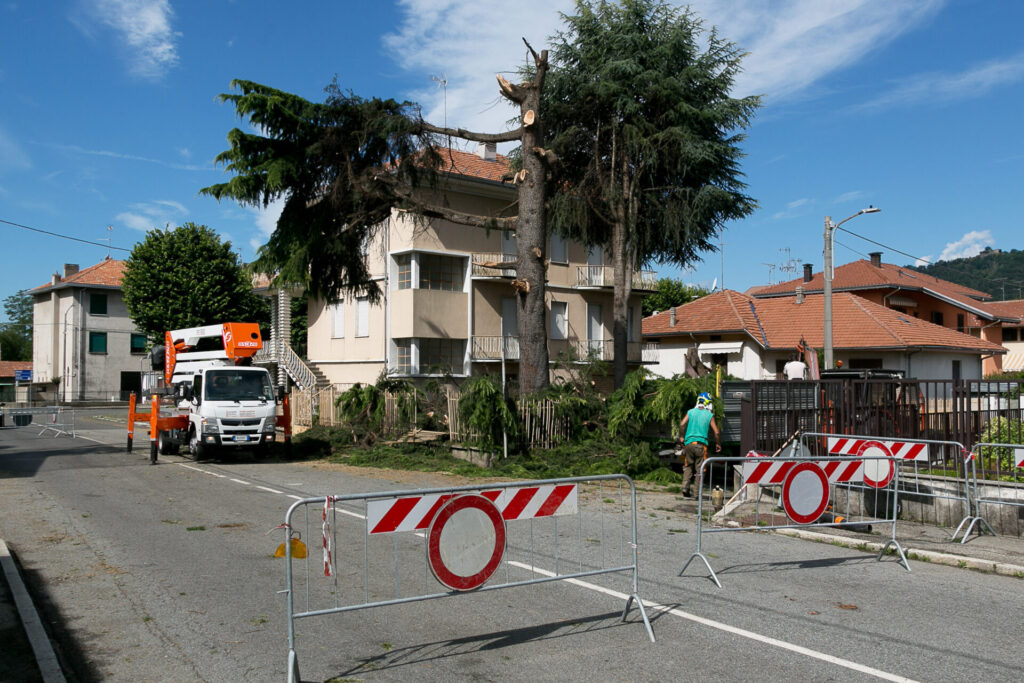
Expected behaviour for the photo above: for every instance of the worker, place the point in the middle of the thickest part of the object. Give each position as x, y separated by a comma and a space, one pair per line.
693, 432
795, 368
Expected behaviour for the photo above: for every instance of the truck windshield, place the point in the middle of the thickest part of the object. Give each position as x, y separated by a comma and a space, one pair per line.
238, 385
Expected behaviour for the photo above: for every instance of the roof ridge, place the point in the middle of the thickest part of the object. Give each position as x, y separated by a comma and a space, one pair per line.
881, 323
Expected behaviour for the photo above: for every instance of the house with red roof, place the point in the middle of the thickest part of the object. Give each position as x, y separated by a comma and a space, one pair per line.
1013, 332
83, 337
752, 338
910, 293
10, 388
449, 308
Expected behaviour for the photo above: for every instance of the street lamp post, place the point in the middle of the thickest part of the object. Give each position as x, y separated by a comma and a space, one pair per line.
830, 234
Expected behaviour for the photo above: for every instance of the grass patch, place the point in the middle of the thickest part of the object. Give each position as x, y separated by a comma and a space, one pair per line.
195, 528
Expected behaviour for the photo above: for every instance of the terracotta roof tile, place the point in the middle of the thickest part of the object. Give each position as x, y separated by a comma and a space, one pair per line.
106, 273
857, 324
862, 275
1006, 309
473, 166
7, 367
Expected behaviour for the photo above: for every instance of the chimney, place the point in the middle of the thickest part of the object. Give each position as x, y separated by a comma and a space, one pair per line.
799, 294
876, 258
808, 272
488, 151
672, 317
70, 269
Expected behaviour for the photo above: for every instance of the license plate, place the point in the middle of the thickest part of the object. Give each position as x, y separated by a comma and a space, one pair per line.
244, 437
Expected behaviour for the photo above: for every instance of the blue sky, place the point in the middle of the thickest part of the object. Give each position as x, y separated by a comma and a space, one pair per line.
109, 115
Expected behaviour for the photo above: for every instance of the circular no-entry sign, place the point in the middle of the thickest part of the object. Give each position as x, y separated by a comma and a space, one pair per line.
805, 493
466, 542
877, 473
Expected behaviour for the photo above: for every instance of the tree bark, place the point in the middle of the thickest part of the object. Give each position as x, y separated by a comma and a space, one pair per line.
622, 288
531, 235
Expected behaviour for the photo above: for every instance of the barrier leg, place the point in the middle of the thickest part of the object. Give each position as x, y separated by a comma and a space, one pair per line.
700, 529
293, 668
643, 613
131, 420
714, 577
154, 417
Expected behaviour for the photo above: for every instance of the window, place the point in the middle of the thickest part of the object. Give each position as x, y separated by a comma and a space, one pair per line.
936, 317
559, 320
337, 319
959, 322
404, 263
1010, 334
559, 250
441, 272
362, 317
403, 356
138, 343
97, 342
441, 355
630, 322
97, 304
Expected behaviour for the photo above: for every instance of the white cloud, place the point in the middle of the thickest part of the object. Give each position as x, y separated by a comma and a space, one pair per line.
144, 28
266, 222
922, 261
971, 244
129, 157
848, 197
159, 213
12, 157
936, 88
792, 44
793, 208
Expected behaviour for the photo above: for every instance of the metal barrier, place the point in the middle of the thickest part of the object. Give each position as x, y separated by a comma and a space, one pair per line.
934, 471
1003, 489
58, 419
800, 492
468, 532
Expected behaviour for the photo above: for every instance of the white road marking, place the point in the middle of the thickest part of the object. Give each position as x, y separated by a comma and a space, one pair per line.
200, 469
239, 481
775, 642
270, 490
296, 497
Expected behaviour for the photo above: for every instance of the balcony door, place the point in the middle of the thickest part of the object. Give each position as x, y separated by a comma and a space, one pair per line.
509, 328
595, 331
595, 267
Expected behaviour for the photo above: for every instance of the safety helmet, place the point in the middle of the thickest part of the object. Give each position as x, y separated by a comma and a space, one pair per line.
704, 400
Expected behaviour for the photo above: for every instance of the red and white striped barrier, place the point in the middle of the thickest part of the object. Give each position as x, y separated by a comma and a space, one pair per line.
773, 471
903, 450
415, 513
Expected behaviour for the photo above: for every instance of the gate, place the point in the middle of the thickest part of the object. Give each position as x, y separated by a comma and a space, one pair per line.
443, 542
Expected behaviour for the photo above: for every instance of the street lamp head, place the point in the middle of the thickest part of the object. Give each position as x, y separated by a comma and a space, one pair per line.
870, 209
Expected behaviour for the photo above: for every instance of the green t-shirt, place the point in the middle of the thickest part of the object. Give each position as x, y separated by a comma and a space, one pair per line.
698, 421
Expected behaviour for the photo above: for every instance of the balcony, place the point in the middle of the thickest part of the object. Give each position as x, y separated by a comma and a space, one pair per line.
483, 265
495, 348
491, 348
597, 277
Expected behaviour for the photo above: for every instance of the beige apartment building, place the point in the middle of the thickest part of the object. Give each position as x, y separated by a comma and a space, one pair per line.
446, 311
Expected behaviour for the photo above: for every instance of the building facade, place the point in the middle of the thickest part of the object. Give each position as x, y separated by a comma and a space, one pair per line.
83, 337
448, 307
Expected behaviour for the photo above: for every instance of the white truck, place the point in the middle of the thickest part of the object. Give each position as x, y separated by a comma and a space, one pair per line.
219, 401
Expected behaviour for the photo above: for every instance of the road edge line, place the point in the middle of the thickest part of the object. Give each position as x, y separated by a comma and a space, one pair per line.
46, 658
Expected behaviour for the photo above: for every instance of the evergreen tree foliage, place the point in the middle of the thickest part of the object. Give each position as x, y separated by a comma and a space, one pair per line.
671, 293
187, 277
638, 109
16, 333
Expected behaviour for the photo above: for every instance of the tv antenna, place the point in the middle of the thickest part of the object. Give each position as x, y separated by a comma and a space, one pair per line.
110, 230
442, 82
790, 265
771, 269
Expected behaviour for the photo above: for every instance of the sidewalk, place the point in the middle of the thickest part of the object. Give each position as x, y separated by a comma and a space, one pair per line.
28, 655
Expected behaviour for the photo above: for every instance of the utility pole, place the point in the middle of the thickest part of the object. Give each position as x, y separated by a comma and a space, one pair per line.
830, 233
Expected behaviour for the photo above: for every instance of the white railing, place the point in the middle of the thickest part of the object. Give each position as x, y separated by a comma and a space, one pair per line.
604, 276
482, 269
495, 348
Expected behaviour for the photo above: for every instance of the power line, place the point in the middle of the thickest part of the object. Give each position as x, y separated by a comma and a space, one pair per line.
66, 237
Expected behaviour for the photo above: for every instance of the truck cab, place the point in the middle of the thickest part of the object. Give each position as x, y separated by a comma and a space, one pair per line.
230, 407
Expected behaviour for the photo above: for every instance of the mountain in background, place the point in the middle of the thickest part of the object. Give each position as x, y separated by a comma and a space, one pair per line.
997, 272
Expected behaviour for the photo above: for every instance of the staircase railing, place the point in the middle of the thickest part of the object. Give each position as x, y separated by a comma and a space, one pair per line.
293, 364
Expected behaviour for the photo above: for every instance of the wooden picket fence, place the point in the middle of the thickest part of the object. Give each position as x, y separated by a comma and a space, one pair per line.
540, 427
322, 404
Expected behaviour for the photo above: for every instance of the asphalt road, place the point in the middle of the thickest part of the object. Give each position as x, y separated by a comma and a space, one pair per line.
166, 573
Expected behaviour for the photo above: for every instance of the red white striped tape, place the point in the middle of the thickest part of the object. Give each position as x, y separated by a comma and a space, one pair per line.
905, 450
414, 513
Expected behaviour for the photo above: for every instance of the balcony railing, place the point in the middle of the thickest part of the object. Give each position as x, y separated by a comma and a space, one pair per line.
604, 276
490, 348
495, 348
482, 269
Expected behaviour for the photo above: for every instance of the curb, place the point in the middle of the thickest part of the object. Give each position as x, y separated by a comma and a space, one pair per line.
46, 659
960, 561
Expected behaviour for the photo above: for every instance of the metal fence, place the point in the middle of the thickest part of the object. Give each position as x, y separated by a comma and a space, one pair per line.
801, 491
532, 532
1000, 493
964, 411
59, 420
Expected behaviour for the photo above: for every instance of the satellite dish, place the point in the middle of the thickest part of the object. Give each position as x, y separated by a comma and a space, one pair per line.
714, 283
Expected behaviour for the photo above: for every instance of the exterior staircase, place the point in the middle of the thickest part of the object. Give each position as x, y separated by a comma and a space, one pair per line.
305, 377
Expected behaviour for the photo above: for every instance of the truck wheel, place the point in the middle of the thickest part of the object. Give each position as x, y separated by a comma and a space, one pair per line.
167, 445
195, 446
